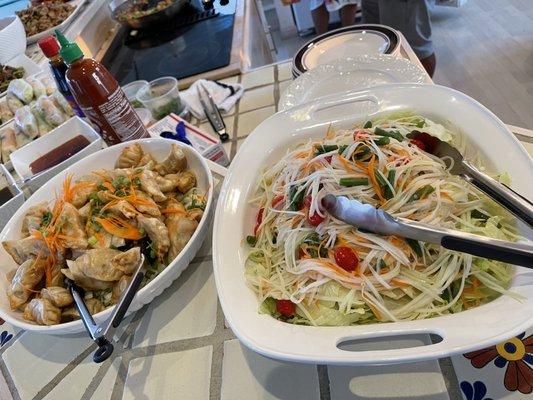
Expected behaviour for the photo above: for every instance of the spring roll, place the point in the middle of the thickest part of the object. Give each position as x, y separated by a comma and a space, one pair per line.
51, 113
13, 103
49, 84
38, 88
26, 122
43, 127
5, 113
9, 143
62, 103
22, 139
21, 89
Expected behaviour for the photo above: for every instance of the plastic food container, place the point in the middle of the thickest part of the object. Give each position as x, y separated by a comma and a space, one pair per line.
131, 90
161, 96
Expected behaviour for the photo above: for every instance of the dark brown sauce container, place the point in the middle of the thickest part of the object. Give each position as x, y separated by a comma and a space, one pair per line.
59, 154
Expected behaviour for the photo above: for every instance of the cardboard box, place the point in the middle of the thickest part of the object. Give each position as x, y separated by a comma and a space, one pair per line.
204, 143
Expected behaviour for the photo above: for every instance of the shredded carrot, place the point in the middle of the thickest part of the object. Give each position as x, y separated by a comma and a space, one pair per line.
100, 238
119, 227
109, 186
372, 175
347, 165
67, 190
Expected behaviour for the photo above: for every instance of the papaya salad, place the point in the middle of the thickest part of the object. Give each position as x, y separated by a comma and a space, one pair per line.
308, 268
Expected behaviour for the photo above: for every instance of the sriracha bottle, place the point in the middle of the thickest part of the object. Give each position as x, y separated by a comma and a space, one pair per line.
99, 96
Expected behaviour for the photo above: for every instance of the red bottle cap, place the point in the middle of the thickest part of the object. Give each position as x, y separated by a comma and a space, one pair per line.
49, 46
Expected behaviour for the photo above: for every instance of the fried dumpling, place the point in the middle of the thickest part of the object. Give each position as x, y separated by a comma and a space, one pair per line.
120, 287
33, 218
127, 261
72, 228
56, 277
147, 161
27, 276
94, 306
146, 205
175, 162
196, 214
84, 281
43, 312
158, 234
150, 186
59, 296
124, 208
96, 265
26, 248
181, 228
130, 156
84, 187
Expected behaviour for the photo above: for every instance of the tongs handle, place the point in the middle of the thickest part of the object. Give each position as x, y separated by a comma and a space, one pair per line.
480, 246
505, 196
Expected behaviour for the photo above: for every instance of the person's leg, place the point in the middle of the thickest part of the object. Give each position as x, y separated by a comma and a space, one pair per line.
347, 14
320, 19
370, 11
411, 17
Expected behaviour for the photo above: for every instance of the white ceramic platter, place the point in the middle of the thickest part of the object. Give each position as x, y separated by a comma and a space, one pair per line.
62, 26
106, 158
350, 74
470, 330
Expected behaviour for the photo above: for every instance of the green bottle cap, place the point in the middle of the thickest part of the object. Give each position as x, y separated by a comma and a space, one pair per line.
70, 52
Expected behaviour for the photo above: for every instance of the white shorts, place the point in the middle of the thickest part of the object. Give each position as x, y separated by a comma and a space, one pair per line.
331, 5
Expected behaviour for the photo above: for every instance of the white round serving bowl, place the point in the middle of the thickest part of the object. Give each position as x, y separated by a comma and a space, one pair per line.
106, 158
234, 218
12, 38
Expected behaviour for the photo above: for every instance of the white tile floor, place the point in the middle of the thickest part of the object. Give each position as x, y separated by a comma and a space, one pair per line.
257, 98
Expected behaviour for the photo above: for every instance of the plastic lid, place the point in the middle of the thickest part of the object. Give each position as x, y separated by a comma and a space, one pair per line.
49, 46
69, 51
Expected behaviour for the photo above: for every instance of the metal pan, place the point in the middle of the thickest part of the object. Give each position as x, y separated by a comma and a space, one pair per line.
118, 6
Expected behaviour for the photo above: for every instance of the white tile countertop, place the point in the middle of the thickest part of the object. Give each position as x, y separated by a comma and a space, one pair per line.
178, 347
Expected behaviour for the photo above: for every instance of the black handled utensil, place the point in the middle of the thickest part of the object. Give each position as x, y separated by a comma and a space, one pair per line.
371, 219
103, 335
505, 196
212, 113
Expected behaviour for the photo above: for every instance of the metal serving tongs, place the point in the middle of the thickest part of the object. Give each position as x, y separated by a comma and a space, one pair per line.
103, 334
212, 113
371, 219
505, 196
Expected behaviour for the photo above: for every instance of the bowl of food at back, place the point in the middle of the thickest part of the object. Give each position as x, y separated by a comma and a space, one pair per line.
91, 223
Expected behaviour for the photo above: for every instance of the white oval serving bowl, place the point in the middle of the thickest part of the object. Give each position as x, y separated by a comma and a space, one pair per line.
106, 158
466, 331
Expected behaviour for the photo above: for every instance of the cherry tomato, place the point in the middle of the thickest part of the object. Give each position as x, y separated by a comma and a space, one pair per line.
258, 220
286, 307
420, 144
328, 159
307, 201
346, 258
315, 219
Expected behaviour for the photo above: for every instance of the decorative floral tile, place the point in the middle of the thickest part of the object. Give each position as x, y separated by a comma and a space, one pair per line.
249, 376
187, 309
7, 333
504, 371
258, 77
184, 375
